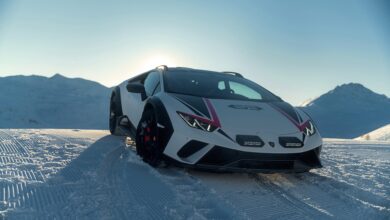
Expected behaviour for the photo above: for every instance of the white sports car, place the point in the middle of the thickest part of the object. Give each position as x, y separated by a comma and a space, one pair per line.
213, 120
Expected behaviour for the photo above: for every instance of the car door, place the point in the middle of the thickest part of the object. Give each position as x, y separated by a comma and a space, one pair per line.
134, 103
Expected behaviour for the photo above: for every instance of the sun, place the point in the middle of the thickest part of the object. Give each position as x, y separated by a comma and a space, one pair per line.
153, 61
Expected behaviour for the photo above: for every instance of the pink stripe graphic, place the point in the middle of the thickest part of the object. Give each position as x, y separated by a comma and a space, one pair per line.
301, 127
213, 113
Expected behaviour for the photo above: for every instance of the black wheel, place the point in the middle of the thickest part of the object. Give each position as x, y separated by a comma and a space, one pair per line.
114, 114
147, 139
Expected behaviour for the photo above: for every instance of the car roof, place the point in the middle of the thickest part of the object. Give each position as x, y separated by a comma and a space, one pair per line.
164, 68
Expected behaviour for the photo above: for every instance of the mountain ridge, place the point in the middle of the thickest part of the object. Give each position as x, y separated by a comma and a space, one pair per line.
349, 110
52, 102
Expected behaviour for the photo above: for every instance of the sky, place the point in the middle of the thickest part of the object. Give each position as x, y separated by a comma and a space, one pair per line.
297, 49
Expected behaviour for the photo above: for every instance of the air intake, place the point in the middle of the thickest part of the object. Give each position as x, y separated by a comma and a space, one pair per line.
190, 148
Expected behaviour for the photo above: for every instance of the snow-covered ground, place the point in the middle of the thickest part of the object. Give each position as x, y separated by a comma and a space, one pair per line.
380, 134
87, 174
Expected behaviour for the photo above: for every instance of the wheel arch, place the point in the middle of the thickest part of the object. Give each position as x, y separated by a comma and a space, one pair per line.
116, 92
163, 120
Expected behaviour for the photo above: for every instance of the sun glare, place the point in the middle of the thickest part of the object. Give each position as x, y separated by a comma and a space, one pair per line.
157, 60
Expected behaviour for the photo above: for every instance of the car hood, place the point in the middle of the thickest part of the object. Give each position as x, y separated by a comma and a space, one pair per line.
246, 117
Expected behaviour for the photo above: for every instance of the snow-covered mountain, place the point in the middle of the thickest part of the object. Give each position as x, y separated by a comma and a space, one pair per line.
55, 102
380, 134
349, 111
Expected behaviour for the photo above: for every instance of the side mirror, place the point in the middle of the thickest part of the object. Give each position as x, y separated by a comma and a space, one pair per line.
136, 88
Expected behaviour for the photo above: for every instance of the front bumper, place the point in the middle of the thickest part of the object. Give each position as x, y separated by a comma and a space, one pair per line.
228, 160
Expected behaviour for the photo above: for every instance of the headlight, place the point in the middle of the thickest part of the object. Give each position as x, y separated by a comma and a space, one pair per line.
308, 128
198, 122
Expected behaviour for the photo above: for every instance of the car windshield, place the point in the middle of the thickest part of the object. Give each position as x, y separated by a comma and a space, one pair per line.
215, 85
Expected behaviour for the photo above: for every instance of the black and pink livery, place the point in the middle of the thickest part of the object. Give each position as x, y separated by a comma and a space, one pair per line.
213, 120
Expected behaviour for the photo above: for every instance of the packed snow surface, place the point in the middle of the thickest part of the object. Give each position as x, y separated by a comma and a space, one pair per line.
88, 174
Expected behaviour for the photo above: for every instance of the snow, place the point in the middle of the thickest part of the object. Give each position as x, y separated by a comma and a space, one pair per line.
89, 174
55, 102
380, 134
307, 102
348, 111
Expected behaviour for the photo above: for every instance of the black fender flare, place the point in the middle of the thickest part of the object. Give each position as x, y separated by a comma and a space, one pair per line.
117, 100
164, 122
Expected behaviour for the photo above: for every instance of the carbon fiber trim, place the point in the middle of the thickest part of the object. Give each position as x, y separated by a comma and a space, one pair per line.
190, 148
226, 158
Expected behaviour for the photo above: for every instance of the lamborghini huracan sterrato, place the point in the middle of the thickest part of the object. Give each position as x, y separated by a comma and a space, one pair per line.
212, 120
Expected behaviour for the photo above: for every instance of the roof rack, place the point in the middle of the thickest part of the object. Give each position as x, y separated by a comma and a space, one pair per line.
234, 73
163, 67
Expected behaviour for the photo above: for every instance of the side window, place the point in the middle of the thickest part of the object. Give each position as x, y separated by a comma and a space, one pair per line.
243, 90
151, 82
221, 85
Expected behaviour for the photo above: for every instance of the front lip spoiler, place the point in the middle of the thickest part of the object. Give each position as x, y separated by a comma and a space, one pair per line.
224, 169
252, 170
227, 169
261, 163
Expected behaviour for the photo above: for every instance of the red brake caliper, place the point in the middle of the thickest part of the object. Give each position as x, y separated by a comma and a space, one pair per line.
147, 136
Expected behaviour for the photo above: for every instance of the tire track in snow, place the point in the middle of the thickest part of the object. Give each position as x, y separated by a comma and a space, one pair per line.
256, 198
65, 177
12, 144
195, 198
353, 195
159, 193
154, 195
301, 205
360, 167
24, 187
325, 193
14, 156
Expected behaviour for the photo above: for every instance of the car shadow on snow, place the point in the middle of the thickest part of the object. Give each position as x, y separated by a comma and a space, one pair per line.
109, 181
57, 196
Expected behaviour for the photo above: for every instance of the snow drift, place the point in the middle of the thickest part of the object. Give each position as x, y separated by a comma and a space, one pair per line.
380, 134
